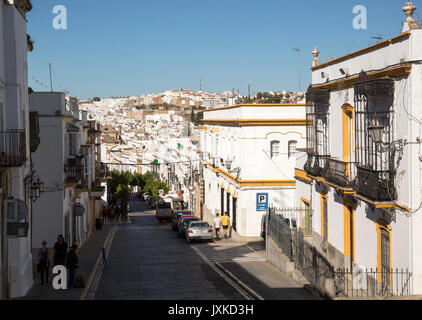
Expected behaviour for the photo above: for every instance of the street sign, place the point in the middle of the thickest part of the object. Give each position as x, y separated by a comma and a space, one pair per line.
261, 201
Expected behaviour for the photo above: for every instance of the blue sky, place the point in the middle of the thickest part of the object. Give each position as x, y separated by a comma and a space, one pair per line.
134, 47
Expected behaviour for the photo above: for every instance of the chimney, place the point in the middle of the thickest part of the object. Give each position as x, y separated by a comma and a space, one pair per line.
410, 23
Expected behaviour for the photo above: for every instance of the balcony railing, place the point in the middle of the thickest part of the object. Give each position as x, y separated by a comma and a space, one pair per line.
376, 185
12, 148
341, 173
316, 165
73, 171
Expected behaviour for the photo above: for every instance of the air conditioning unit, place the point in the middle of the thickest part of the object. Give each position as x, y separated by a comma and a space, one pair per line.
16, 210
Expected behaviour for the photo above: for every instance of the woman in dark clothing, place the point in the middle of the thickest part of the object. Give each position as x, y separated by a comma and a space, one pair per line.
72, 264
44, 261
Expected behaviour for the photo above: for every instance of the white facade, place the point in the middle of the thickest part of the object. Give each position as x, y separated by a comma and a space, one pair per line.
64, 139
246, 152
16, 264
369, 225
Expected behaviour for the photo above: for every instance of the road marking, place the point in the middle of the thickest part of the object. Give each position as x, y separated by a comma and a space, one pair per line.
246, 295
246, 287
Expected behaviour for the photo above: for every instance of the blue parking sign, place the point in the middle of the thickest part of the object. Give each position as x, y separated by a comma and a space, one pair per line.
261, 201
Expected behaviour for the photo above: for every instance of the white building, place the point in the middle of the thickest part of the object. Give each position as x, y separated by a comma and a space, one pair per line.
15, 170
362, 178
249, 152
67, 163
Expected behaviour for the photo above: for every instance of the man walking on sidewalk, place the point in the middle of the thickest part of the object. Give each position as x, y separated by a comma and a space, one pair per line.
225, 221
60, 252
217, 226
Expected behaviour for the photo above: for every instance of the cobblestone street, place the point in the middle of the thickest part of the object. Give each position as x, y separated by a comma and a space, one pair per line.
147, 261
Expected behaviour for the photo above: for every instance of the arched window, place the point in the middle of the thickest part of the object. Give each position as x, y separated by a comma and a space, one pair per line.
275, 149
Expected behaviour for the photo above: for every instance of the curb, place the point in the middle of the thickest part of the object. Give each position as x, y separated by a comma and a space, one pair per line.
95, 269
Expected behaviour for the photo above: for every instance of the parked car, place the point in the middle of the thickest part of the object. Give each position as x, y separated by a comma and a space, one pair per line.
198, 230
184, 216
176, 217
184, 224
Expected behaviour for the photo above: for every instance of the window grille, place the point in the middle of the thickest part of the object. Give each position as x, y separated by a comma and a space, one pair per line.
292, 148
275, 149
73, 144
317, 116
374, 107
385, 260
375, 162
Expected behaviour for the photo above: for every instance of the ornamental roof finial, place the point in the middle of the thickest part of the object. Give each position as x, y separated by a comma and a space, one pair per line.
315, 53
410, 23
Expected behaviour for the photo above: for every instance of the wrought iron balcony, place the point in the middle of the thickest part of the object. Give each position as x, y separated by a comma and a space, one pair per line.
316, 165
341, 173
12, 148
73, 171
376, 185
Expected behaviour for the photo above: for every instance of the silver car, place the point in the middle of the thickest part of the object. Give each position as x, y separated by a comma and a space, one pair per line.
198, 230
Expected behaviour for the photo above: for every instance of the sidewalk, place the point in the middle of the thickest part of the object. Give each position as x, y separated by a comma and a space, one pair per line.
87, 255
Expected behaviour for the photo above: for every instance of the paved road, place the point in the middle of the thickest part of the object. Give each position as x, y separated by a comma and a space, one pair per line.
147, 261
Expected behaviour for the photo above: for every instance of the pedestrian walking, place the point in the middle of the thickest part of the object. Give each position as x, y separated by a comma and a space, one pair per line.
217, 226
72, 264
105, 214
225, 221
44, 262
60, 251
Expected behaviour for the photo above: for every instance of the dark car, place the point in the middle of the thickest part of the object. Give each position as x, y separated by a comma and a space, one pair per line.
184, 225
176, 216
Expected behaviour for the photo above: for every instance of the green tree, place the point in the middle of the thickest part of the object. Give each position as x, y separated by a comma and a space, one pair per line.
122, 192
96, 99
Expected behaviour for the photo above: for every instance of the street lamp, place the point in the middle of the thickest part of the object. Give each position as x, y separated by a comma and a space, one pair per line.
376, 132
36, 188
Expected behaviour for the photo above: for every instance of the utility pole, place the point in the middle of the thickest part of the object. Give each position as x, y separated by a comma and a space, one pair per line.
249, 93
300, 64
51, 79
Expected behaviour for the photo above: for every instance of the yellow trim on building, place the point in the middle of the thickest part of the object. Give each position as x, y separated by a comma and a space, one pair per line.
377, 46
302, 175
254, 183
255, 105
384, 205
228, 190
303, 200
349, 231
255, 122
234, 195
203, 128
222, 185
392, 72
67, 119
